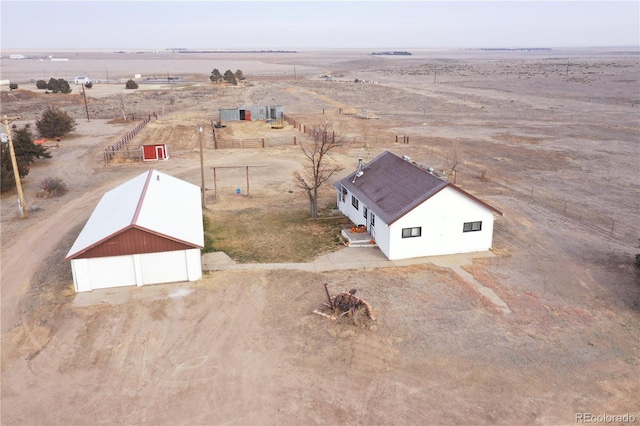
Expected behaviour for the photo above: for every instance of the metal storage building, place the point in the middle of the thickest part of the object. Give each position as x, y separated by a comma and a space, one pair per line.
251, 113
148, 230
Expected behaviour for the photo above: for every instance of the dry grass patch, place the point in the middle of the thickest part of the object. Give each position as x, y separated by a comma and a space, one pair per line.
254, 235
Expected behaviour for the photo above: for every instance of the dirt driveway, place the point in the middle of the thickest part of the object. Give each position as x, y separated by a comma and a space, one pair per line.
243, 347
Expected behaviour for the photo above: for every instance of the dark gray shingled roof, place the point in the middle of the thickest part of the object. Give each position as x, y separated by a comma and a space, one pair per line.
391, 187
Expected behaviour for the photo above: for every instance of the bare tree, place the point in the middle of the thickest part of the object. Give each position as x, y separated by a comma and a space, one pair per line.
453, 161
121, 104
365, 131
316, 171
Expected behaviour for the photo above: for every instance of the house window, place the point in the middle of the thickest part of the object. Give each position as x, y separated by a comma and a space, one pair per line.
355, 203
412, 232
472, 226
365, 211
344, 194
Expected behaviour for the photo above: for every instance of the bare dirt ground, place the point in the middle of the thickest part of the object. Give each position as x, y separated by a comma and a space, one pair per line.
552, 139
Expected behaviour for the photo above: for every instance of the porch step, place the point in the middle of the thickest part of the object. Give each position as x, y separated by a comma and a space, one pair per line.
358, 239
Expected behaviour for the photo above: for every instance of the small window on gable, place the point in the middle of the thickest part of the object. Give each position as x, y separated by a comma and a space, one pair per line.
412, 232
365, 211
355, 203
344, 194
472, 226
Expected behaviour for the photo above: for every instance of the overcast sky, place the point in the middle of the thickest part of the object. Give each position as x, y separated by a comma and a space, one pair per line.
312, 25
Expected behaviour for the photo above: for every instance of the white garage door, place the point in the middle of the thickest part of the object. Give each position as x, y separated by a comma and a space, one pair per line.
165, 267
108, 272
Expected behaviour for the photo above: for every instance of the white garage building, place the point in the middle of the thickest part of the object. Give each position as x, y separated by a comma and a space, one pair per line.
148, 230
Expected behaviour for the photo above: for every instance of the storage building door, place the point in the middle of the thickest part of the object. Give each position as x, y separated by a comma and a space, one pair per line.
161, 152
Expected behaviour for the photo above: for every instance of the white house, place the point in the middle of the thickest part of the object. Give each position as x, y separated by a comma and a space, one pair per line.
411, 212
148, 230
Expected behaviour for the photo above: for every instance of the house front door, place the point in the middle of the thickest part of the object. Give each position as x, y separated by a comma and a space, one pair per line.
372, 228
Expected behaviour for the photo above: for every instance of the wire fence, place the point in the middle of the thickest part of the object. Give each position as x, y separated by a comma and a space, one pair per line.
583, 213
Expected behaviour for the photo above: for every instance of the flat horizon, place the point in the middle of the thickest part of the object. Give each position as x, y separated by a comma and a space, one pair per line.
196, 50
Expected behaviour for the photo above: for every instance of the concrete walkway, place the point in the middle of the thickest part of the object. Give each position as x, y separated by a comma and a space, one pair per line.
363, 258
346, 258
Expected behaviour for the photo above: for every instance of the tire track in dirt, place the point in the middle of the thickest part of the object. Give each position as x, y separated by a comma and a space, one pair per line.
34, 245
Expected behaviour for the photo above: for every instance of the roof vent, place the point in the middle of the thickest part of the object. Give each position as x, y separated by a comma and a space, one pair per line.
359, 172
430, 169
406, 158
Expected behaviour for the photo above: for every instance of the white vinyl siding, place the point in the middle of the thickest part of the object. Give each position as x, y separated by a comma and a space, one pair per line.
440, 218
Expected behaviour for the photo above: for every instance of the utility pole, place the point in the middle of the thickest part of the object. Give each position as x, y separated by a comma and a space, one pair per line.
85, 102
200, 130
22, 205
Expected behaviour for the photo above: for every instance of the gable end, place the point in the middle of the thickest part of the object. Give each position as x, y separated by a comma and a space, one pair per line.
132, 240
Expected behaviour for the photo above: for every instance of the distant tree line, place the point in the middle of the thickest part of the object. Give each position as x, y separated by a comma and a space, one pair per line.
229, 76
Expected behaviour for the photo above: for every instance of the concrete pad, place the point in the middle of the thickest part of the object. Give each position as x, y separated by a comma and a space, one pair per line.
216, 258
120, 295
461, 259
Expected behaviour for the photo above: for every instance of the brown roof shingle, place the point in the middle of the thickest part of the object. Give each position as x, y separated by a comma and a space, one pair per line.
391, 186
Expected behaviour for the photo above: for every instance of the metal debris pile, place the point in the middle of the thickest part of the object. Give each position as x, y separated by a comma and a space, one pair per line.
345, 303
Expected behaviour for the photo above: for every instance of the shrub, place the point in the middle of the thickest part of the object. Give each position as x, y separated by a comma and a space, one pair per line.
131, 84
52, 187
41, 84
13, 86
55, 123
59, 85
26, 152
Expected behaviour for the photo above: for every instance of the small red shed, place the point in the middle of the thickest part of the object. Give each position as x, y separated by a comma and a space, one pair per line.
155, 152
